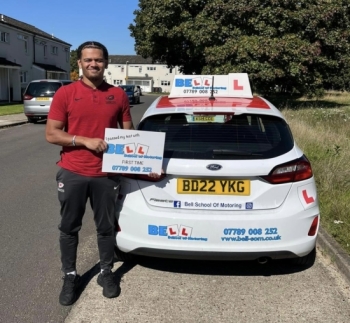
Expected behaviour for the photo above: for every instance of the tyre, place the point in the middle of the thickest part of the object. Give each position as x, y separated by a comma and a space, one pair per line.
32, 120
122, 256
307, 260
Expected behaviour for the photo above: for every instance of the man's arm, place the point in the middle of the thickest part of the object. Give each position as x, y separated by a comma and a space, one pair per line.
56, 135
128, 125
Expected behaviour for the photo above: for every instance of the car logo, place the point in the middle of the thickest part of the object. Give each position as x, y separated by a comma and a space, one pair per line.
214, 167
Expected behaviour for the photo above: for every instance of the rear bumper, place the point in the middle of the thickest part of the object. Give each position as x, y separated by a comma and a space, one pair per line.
198, 234
36, 111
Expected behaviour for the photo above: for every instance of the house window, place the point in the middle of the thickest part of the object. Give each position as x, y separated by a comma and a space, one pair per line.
24, 77
151, 68
122, 69
117, 82
140, 69
25, 40
54, 50
165, 83
4, 37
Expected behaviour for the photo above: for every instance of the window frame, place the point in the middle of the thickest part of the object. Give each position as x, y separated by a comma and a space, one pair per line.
6, 37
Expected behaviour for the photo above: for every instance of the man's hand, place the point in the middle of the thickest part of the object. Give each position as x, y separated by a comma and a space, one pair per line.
155, 175
96, 144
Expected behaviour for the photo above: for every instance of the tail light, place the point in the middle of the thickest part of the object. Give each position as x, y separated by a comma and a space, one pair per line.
313, 228
144, 177
295, 171
27, 97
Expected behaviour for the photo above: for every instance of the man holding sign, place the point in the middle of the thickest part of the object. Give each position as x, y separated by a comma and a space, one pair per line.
79, 114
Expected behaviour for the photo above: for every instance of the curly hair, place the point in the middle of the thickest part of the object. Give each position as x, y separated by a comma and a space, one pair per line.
93, 44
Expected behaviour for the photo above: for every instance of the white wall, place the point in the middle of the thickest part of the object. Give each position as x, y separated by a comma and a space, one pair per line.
160, 75
14, 51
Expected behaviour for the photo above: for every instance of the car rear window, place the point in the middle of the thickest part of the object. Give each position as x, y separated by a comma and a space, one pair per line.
43, 89
245, 136
128, 88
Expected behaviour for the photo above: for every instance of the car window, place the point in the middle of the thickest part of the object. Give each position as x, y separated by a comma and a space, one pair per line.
127, 88
221, 136
43, 89
66, 82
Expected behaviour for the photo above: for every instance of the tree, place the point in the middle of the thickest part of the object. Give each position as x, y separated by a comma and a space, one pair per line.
285, 45
74, 69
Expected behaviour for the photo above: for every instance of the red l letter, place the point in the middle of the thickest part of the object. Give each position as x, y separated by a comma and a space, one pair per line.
236, 86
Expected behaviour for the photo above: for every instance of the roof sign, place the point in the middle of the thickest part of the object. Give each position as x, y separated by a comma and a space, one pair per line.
234, 85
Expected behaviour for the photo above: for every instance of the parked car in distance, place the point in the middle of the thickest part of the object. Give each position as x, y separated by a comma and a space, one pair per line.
132, 92
38, 96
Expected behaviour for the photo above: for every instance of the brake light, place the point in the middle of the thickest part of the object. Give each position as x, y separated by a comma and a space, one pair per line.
27, 97
144, 177
313, 228
295, 171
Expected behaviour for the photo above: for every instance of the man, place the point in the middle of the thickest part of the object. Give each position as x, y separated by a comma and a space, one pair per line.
78, 116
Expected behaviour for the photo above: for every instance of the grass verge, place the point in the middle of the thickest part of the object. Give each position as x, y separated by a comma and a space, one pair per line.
8, 108
321, 129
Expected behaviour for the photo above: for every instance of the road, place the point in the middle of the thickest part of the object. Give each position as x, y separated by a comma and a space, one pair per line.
30, 276
153, 290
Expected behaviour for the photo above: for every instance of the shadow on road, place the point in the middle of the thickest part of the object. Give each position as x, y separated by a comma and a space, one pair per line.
95, 270
222, 268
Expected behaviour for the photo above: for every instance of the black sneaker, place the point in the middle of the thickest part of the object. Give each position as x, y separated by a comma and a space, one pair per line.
109, 283
68, 293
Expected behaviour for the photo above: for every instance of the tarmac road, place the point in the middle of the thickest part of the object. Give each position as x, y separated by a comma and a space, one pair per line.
160, 291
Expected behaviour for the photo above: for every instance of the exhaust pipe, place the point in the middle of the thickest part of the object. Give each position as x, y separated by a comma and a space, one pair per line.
263, 260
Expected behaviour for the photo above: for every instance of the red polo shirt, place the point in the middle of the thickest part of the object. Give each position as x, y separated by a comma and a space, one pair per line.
87, 112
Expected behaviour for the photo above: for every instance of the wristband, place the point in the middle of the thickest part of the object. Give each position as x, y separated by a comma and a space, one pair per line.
73, 141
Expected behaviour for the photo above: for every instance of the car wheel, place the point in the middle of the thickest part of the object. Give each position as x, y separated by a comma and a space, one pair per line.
122, 256
32, 120
307, 260
139, 101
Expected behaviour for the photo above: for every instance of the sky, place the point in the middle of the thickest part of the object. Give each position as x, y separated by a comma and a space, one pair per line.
77, 21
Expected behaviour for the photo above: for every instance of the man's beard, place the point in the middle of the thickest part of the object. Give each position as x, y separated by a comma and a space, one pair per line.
94, 77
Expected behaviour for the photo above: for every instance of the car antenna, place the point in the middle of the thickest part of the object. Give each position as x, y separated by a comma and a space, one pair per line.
212, 90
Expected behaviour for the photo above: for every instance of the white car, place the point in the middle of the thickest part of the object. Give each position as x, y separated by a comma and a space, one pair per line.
235, 184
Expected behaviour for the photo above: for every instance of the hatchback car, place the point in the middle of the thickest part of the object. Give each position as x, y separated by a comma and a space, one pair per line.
132, 92
235, 185
37, 97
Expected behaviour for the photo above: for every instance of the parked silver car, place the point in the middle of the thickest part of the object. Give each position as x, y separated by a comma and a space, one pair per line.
38, 96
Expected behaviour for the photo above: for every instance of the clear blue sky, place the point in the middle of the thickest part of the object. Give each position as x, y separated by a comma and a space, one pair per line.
76, 21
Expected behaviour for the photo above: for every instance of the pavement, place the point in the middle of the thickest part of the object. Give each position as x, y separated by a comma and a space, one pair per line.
339, 256
12, 120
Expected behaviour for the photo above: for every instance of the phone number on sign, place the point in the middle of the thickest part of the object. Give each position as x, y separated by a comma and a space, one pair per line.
200, 91
132, 169
252, 231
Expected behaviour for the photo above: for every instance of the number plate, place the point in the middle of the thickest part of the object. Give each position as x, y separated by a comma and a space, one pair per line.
213, 186
204, 118
42, 99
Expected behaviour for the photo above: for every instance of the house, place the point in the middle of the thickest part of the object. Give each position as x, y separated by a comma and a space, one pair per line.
28, 53
134, 69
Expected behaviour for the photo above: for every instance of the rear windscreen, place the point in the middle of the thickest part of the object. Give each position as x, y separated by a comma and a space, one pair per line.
128, 88
43, 89
245, 136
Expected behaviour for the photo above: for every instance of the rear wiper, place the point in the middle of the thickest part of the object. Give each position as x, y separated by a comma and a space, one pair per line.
234, 152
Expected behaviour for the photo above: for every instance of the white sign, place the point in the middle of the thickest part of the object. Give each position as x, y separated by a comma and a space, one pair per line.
133, 151
234, 85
